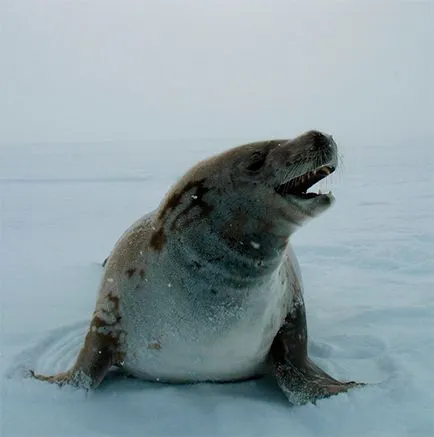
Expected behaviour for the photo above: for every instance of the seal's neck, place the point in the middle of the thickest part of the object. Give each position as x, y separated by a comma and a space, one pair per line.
204, 251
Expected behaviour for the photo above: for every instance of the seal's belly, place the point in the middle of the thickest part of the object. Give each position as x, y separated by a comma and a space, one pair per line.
220, 337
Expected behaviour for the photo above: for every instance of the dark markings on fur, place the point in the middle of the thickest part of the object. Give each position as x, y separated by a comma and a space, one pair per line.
158, 240
175, 199
155, 346
196, 200
130, 273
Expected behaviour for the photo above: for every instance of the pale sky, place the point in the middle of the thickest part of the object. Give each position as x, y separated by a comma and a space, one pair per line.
95, 70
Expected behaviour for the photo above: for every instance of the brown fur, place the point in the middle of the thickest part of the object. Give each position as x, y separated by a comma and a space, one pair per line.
102, 349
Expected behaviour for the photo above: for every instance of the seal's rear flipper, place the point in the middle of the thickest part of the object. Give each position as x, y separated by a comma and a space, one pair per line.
308, 383
300, 379
99, 352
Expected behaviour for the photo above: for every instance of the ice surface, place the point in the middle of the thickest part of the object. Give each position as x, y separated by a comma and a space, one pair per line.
368, 270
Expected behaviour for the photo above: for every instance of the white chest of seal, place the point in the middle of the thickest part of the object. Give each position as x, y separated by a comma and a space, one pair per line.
184, 330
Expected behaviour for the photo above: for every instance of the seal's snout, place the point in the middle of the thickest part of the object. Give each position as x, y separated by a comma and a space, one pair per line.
321, 141
312, 157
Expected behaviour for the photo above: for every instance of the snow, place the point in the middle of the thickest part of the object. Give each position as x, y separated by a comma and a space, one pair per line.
368, 270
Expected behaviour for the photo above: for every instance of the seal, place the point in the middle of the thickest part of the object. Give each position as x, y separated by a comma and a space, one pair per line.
207, 286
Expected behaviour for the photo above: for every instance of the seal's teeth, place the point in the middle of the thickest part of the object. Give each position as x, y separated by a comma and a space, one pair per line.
330, 193
327, 170
319, 192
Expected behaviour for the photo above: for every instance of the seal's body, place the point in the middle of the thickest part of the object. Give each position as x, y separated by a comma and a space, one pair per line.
205, 322
207, 287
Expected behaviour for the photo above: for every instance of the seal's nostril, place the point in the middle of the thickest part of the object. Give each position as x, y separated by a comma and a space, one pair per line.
322, 141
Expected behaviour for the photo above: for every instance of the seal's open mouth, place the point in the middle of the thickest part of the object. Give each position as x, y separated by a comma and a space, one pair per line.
299, 185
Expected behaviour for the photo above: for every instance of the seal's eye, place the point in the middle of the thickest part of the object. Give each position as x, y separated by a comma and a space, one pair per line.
257, 160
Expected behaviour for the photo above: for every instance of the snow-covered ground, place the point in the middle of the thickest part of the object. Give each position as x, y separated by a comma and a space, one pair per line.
368, 270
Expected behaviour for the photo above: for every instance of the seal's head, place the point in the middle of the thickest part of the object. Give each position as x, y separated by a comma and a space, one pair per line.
279, 173
257, 192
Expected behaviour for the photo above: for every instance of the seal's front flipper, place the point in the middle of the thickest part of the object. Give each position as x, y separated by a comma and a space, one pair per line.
59, 379
99, 352
300, 379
